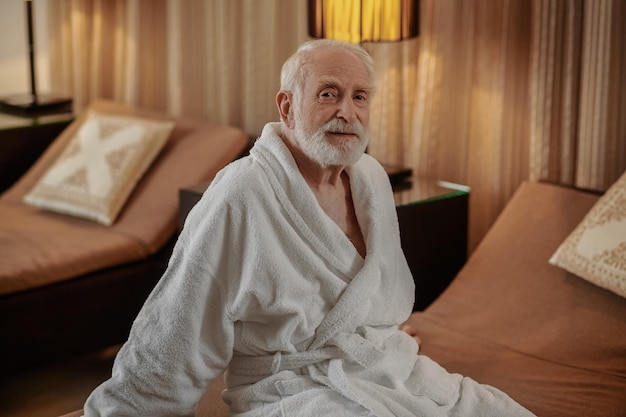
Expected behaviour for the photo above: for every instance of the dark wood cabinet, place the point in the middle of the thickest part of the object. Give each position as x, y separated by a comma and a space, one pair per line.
23, 140
433, 220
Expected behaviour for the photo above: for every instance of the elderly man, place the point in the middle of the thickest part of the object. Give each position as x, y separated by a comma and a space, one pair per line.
289, 275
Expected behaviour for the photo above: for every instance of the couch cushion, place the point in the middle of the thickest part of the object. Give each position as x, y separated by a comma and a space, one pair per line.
538, 332
544, 387
509, 294
42, 248
194, 153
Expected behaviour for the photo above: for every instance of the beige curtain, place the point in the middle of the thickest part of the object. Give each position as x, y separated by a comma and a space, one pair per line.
578, 123
216, 60
492, 93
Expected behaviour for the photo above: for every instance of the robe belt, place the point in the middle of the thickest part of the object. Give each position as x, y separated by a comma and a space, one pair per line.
352, 347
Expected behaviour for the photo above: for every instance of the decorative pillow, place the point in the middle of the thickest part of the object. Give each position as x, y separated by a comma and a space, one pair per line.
596, 249
100, 166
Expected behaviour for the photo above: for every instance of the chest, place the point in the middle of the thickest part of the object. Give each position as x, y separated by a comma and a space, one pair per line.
339, 207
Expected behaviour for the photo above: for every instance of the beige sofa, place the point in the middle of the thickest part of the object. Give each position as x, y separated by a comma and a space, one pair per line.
554, 342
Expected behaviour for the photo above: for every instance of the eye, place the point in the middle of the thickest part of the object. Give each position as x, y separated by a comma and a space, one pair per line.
328, 96
361, 100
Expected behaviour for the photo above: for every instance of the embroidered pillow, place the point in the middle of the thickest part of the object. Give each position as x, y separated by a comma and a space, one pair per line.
100, 166
596, 249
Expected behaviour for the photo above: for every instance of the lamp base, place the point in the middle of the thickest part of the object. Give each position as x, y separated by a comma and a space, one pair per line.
29, 105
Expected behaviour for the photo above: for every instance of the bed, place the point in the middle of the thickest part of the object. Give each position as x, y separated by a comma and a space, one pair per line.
63, 276
553, 341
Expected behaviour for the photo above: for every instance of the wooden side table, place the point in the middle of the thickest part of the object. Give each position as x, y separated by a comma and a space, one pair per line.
433, 218
23, 140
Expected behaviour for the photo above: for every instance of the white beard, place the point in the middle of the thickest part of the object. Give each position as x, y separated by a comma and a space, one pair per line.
319, 149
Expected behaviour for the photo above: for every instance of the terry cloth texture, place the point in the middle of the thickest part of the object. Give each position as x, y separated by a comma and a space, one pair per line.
264, 284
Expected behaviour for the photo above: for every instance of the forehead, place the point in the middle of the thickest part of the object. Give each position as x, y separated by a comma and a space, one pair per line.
329, 66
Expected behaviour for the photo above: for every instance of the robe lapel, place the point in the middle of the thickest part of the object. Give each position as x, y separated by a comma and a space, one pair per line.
350, 310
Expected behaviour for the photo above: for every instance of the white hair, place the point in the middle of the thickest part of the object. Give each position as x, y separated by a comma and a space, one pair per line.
295, 69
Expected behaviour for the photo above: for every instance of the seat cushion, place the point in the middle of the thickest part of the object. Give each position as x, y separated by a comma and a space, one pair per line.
38, 247
549, 339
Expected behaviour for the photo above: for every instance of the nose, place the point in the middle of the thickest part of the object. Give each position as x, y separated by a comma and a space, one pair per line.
347, 110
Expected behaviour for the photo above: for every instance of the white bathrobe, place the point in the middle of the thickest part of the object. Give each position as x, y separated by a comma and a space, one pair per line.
263, 284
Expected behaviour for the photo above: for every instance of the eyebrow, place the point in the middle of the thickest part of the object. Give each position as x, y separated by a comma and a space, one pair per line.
330, 81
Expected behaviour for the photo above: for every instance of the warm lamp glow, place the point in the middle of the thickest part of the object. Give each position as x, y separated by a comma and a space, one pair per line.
359, 21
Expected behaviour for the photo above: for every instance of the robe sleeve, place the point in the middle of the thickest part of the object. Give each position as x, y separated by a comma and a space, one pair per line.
183, 336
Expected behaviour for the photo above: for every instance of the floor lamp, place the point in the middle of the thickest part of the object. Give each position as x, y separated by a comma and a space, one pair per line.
358, 21
34, 104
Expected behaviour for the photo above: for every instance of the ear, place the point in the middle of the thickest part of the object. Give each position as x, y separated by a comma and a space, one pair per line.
285, 109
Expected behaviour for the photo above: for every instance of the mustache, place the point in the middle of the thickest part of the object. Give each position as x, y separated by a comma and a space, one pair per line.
340, 126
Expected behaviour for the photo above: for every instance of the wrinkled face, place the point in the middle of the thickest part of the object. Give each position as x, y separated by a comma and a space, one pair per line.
332, 114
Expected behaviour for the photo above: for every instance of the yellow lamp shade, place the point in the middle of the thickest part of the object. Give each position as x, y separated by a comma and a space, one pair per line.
358, 21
